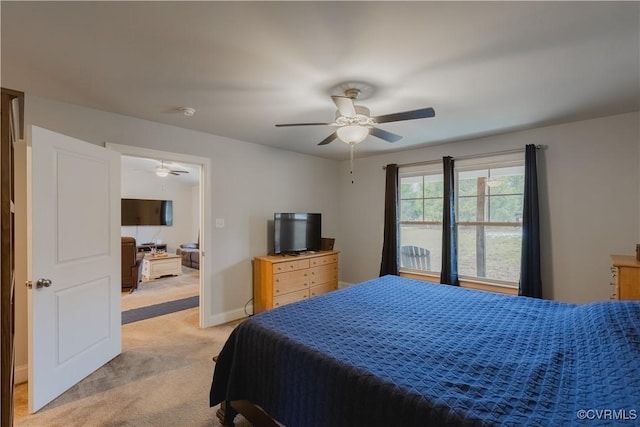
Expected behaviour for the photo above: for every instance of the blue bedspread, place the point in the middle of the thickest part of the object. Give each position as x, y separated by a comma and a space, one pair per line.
399, 352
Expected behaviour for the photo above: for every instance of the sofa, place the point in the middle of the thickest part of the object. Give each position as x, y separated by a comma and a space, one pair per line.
190, 253
131, 263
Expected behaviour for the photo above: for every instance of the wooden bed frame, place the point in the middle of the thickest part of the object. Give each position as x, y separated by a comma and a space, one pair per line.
254, 414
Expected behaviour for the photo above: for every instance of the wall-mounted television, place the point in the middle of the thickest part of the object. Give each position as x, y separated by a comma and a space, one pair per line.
297, 232
147, 212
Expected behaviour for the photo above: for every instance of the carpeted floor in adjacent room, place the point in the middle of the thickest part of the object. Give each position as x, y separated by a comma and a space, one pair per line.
162, 290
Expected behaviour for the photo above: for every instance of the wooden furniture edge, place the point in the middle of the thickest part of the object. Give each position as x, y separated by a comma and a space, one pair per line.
253, 413
286, 257
624, 261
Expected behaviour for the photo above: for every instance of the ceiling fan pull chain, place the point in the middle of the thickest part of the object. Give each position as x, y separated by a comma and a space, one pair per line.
351, 170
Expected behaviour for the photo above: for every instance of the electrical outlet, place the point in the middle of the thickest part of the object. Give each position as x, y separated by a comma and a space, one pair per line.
219, 222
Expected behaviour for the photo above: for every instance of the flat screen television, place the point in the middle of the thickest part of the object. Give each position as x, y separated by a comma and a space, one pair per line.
297, 232
147, 212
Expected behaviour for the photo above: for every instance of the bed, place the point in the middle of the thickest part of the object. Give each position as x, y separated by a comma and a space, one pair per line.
401, 352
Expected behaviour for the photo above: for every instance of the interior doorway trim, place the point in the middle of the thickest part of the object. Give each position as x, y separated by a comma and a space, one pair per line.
205, 210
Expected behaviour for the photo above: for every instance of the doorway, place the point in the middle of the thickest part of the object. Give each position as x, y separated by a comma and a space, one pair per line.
203, 168
160, 237
146, 161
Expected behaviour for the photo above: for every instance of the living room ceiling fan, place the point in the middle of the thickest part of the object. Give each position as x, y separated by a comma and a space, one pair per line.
162, 170
354, 122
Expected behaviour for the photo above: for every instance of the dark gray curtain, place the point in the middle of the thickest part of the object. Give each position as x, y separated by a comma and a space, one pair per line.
389, 264
449, 272
530, 282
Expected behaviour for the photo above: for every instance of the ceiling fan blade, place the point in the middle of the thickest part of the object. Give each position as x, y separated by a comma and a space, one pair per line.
329, 139
422, 113
383, 134
345, 105
175, 172
302, 124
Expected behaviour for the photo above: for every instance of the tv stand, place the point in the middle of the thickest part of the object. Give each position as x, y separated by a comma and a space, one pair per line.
146, 247
282, 279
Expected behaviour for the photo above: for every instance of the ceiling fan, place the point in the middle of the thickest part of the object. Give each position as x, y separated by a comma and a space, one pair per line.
354, 122
162, 170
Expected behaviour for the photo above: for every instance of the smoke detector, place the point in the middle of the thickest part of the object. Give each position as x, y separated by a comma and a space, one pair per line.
187, 111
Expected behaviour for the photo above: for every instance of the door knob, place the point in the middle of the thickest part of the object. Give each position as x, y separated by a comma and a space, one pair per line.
43, 283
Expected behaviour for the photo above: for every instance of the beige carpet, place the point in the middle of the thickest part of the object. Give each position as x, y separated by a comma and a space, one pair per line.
162, 378
162, 290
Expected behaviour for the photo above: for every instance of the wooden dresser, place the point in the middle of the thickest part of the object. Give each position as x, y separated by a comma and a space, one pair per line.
625, 277
280, 280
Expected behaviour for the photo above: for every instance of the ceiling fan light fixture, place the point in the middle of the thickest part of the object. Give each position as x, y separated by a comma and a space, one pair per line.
352, 134
354, 122
162, 172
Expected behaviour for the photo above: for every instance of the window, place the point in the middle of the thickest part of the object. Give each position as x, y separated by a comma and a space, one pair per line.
489, 203
421, 195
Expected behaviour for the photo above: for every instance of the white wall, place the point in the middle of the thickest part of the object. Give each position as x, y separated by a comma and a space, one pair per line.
249, 183
589, 176
589, 183
145, 185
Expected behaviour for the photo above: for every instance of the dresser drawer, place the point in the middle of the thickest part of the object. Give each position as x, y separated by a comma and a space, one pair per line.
291, 281
290, 297
323, 260
628, 283
323, 274
625, 277
293, 265
322, 289
283, 279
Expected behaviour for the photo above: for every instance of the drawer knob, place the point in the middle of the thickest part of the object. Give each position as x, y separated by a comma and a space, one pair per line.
277, 291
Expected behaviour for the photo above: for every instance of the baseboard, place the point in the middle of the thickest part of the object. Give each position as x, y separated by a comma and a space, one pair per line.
239, 313
21, 374
227, 316
342, 285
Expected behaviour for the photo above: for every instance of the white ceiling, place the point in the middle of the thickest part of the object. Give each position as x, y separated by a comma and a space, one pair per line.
144, 166
485, 67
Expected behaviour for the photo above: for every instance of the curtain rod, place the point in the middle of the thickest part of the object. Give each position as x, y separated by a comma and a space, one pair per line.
471, 156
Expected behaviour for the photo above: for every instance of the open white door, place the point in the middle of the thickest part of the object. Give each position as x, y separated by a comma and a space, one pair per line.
74, 262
